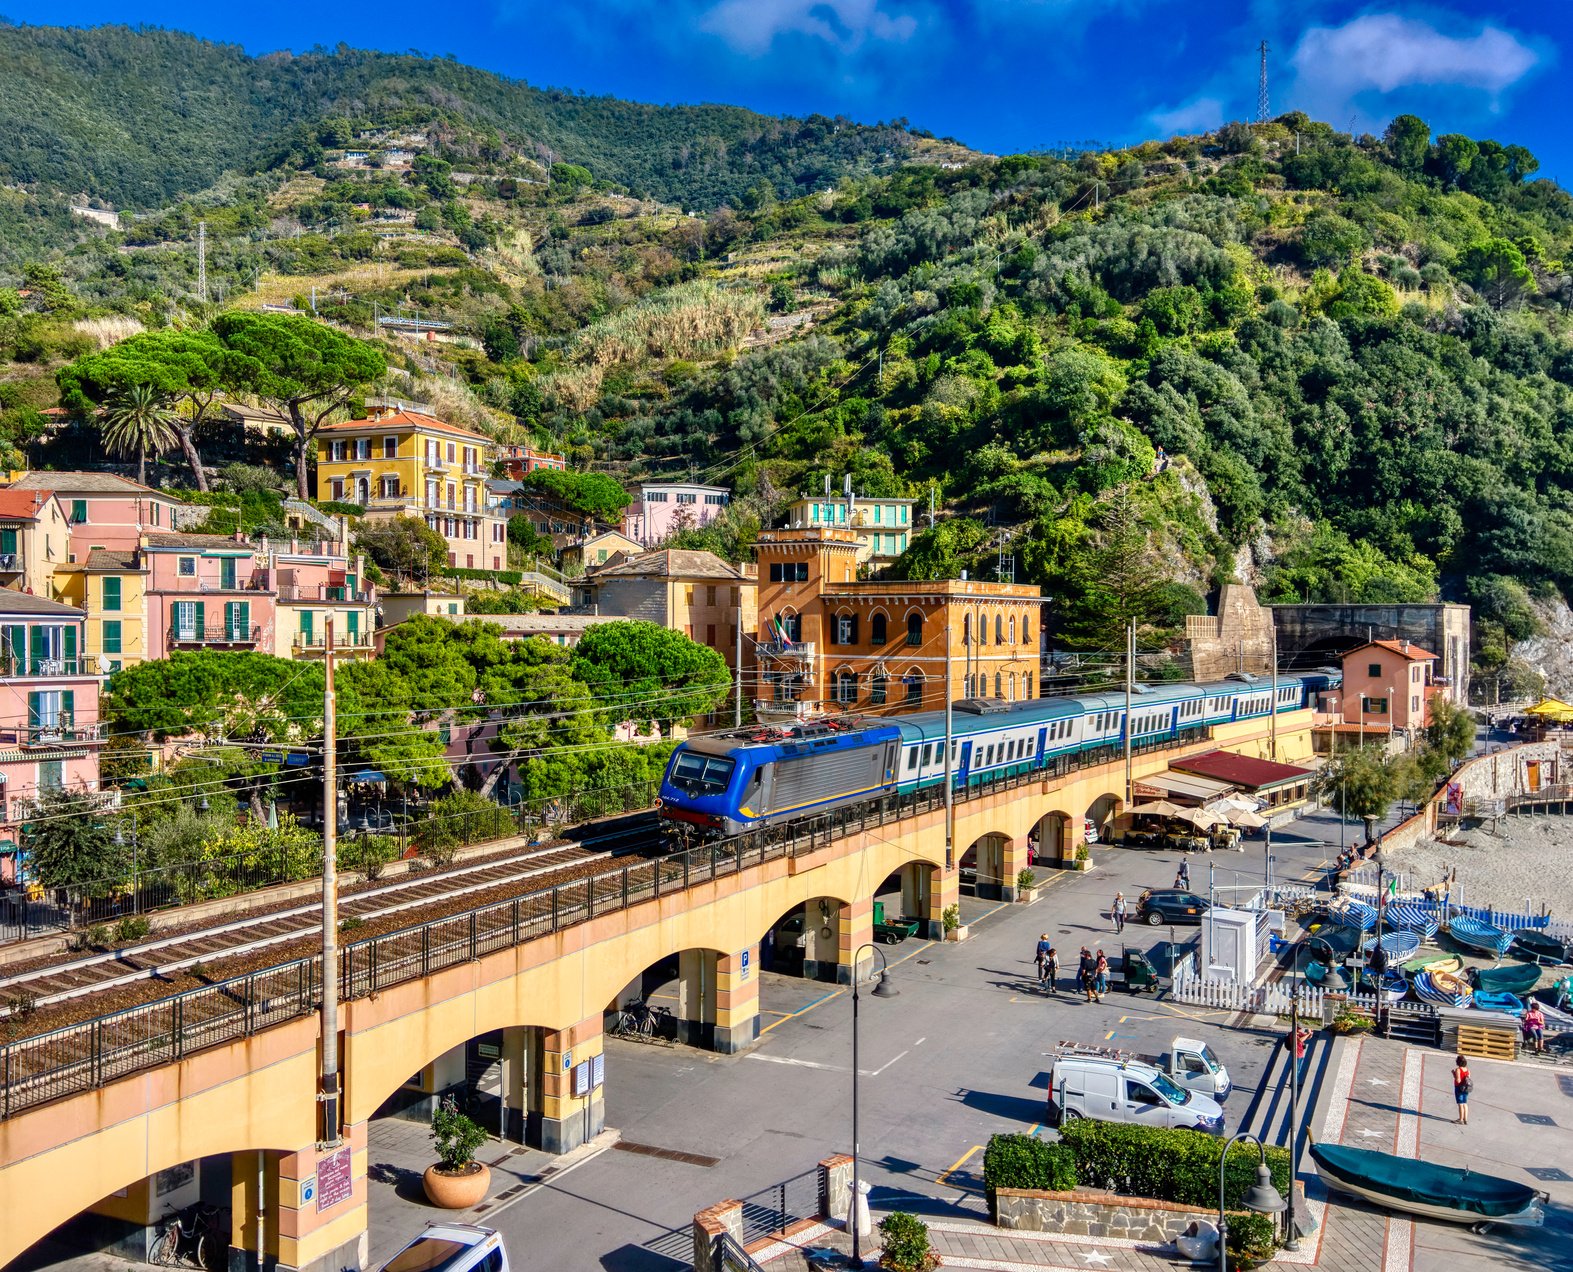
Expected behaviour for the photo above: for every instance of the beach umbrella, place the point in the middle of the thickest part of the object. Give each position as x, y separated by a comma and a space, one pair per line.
1202, 818
1552, 709
1157, 808
1235, 804
1247, 821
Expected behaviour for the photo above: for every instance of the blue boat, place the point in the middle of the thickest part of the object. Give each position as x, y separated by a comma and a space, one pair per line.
1496, 1000
1395, 987
1442, 990
1399, 946
1356, 914
1412, 918
1480, 935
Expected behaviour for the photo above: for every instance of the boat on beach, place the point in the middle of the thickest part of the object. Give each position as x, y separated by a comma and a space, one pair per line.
1454, 1194
1412, 917
1480, 935
1515, 978
1442, 989
1497, 1000
1400, 946
1541, 947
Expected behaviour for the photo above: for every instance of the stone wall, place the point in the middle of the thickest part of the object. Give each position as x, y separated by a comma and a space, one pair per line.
1238, 638
1094, 1214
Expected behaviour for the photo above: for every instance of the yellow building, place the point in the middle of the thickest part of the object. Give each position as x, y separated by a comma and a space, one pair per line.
404, 463
111, 586
35, 536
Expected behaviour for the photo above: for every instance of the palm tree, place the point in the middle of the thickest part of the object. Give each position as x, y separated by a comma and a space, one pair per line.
137, 419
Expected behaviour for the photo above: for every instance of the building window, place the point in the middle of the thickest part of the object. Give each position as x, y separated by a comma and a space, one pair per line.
1376, 706
111, 636
966, 629
846, 629
188, 567
390, 487
1414, 704
999, 629
710, 635
111, 596
1026, 684
876, 629
1026, 632
655, 496
1012, 629
390, 447
846, 686
710, 594
914, 628
336, 489
79, 512
1374, 670
363, 448
914, 683
999, 685
687, 499
876, 689
336, 452
51, 775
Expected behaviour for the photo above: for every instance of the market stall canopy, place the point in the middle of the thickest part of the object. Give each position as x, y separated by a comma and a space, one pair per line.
1157, 808
1552, 709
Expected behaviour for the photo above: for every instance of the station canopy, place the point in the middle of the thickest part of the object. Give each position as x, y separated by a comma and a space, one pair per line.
1175, 785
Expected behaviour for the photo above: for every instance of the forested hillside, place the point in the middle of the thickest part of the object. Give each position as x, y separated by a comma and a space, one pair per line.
1333, 366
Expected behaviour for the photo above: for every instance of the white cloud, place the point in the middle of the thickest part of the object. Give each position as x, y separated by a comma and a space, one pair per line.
752, 26
1385, 52
1201, 114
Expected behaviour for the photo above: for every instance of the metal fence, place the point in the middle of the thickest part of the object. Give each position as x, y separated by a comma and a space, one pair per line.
82, 1057
773, 1210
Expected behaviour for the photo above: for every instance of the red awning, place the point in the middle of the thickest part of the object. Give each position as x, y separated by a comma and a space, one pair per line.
1243, 771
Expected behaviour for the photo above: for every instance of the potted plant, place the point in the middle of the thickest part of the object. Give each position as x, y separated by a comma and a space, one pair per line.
904, 1244
456, 1181
1083, 858
955, 930
1026, 887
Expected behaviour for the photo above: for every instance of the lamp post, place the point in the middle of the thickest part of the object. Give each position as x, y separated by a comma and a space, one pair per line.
1260, 1197
882, 989
1377, 963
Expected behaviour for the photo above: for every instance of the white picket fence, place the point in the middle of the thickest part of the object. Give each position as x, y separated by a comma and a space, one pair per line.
1270, 1000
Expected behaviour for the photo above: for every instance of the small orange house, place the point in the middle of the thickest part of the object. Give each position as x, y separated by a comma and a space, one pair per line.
1388, 683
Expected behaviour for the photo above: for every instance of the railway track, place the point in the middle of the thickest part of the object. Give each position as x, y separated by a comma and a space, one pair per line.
60, 982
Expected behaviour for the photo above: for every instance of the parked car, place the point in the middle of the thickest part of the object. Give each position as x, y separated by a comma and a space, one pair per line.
1158, 906
1115, 1090
1089, 830
452, 1247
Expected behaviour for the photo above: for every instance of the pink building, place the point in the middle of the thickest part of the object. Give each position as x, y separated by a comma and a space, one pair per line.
206, 591
1388, 686
49, 730
519, 460
664, 507
105, 511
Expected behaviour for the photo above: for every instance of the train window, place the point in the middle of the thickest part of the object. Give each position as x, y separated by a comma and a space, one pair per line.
702, 774
928, 754
912, 759
988, 757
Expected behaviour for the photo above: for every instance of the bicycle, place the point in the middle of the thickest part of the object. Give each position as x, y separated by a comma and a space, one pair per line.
196, 1238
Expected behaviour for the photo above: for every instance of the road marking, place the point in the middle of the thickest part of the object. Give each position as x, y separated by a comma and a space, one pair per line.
792, 1015
887, 1065
921, 1041
1108, 1035
1036, 1127
805, 1064
957, 1165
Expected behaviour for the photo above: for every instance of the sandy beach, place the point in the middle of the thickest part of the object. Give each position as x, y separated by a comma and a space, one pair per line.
1526, 857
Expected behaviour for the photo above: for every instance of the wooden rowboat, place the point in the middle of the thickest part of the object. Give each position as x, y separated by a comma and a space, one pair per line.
1442, 989
1515, 978
1450, 1193
1480, 935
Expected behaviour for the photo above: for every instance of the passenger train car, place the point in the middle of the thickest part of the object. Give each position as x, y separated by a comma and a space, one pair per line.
725, 783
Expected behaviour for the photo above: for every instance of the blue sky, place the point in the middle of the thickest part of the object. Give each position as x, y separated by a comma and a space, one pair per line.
1002, 75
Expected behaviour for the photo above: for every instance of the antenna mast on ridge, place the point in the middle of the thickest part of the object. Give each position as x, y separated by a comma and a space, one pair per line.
1262, 111
202, 260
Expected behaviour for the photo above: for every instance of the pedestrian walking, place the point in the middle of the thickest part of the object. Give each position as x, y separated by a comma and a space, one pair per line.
1051, 971
1534, 1025
1182, 877
1032, 851
1100, 976
1117, 910
1087, 972
1463, 1084
1041, 954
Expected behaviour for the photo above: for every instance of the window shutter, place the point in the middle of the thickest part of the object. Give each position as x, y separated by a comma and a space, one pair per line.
35, 643
19, 647
854, 638
201, 613
8, 542
32, 710
68, 646
244, 609
111, 594
68, 707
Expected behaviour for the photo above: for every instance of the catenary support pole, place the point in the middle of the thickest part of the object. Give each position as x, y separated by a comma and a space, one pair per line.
950, 781
737, 710
1130, 689
328, 1086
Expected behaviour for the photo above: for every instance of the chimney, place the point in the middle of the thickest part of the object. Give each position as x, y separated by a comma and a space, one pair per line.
1405, 646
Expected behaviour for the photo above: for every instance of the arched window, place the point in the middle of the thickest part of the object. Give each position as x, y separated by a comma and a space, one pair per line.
876, 629
876, 688
1012, 629
999, 685
1026, 684
914, 628
983, 630
1013, 686
846, 686
1026, 629
966, 629
999, 629
914, 682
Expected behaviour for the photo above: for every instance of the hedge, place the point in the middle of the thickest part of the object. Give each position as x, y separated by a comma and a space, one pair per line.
1166, 1165
1025, 1161
511, 577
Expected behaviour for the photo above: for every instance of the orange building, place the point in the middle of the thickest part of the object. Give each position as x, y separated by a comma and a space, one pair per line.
1388, 685
829, 640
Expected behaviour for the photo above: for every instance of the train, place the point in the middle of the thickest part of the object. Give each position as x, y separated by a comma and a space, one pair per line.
743, 779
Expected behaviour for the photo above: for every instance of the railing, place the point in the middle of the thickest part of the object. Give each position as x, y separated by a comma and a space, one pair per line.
545, 586
10, 562
731, 1257
82, 664
771, 1211
341, 640
781, 649
85, 1056
224, 634
255, 583
62, 733
302, 509
323, 592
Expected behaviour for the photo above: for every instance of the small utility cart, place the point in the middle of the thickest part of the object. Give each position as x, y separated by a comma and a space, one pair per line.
892, 933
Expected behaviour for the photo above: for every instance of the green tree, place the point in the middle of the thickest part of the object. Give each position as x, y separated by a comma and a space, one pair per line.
592, 494
70, 843
1329, 239
1174, 311
138, 419
1364, 783
1452, 157
1408, 140
190, 368
1449, 730
303, 368
641, 669
223, 694
405, 546
1497, 270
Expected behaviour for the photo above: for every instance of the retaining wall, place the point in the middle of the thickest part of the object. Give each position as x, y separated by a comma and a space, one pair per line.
1094, 1214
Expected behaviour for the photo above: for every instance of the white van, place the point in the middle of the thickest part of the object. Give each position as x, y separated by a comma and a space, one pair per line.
1126, 1091
452, 1247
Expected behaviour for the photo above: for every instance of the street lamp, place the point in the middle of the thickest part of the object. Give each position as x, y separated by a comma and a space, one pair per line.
1260, 1197
882, 989
1378, 960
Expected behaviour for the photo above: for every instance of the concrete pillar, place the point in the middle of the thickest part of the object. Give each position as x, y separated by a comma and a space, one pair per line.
696, 997
1013, 860
915, 878
737, 1000
709, 1227
944, 891
565, 1119
515, 1082
820, 945
307, 1229
854, 929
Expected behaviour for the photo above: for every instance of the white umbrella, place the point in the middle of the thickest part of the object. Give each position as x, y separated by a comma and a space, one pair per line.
1234, 804
1247, 821
1157, 808
1204, 818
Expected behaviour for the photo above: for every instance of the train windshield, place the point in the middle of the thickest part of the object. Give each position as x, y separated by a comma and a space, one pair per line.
702, 774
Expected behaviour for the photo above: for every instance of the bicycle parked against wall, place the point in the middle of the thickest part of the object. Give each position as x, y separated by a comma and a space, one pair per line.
195, 1237
640, 1020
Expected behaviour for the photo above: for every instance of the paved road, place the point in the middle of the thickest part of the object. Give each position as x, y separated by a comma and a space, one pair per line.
952, 1060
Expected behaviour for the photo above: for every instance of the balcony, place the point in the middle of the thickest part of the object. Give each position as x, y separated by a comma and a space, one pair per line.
62, 732
10, 562
322, 593
316, 642
803, 649
224, 636
14, 668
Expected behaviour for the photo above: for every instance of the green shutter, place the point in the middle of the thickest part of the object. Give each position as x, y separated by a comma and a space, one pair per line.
68, 707
32, 710
111, 637
305, 627
111, 595
35, 647
352, 623
8, 542
201, 612
18, 649
79, 512
68, 647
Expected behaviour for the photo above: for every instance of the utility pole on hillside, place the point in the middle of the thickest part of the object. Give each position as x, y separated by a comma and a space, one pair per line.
1262, 110
328, 1085
1130, 691
202, 261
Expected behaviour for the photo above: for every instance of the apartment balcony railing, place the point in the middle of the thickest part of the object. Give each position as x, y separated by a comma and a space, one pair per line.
256, 583
63, 732
13, 667
324, 593
224, 634
10, 562
784, 649
341, 640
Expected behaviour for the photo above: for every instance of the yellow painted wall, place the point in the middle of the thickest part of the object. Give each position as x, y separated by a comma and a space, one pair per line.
75, 586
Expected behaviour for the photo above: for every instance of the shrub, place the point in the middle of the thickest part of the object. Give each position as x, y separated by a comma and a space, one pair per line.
1164, 1164
1026, 879
904, 1240
1350, 1021
1025, 1161
456, 1136
132, 929
1083, 853
950, 916
1252, 1238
